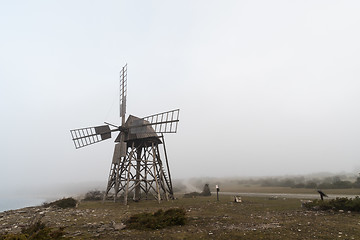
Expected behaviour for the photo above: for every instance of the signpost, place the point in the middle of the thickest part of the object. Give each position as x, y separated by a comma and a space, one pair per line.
217, 192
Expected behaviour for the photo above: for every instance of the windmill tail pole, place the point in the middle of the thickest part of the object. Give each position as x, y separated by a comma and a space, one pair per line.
111, 124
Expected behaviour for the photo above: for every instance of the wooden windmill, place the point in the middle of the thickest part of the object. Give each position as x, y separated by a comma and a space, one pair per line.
140, 167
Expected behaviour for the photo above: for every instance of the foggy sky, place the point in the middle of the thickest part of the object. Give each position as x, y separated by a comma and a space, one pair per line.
263, 87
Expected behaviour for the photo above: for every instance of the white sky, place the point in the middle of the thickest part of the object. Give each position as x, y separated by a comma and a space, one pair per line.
264, 87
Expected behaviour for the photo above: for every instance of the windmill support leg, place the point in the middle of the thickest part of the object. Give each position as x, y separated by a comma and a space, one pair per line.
170, 187
131, 157
110, 181
156, 174
146, 173
127, 185
116, 186
138, 171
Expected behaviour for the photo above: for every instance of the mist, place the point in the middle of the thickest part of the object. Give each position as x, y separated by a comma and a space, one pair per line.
264, 88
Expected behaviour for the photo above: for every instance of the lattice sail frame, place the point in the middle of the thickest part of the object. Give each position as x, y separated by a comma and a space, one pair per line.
166, 122
86, 136
123, 90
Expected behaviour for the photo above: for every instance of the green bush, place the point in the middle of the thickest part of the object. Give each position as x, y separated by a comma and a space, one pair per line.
62, 203
94, 195
346, 204
36, 231
157, 220
191, 195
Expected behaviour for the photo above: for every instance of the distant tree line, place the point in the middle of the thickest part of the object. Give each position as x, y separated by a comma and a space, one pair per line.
311, 182
327, 183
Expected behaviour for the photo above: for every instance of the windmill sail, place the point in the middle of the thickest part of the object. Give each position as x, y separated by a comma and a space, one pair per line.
165, 122
85, 136
123, 90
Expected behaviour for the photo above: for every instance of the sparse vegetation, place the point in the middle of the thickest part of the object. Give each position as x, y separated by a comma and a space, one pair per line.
345, 204
62, 203
36, 231
206, 192
206, 218
254, 218
158, 220
191, 195
94, 195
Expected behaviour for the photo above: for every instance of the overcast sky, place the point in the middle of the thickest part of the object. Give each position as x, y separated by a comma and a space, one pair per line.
264, 87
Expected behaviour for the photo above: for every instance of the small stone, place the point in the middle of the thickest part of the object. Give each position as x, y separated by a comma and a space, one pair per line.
77, 233
119, 226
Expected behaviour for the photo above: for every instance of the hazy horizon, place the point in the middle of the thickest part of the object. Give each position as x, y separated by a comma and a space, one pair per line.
21, 197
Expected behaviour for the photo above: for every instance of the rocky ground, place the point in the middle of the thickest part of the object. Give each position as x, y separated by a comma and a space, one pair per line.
254, 218
91, 221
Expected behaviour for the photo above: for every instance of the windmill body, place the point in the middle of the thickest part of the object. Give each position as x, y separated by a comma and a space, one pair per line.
140, 167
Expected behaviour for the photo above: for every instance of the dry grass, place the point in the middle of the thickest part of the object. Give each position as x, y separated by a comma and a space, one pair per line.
255, 218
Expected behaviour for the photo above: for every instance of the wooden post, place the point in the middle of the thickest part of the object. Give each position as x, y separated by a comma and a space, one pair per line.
167, 168
116, 187
138, 168
155, 173
128, 174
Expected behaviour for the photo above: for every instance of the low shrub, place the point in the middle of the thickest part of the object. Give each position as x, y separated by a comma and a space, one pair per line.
206, 192
346, 204
159, 219
191, 195
62, 203
36, 231
94, 195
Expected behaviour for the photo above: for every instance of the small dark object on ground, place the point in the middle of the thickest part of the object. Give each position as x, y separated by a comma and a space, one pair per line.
345, 204
322, 195
62, 203
159, 219
206, 190
38, 231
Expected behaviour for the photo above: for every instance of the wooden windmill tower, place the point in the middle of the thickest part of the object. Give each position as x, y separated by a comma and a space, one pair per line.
140, 167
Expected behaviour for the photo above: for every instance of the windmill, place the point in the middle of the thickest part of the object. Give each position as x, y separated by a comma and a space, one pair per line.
139, 167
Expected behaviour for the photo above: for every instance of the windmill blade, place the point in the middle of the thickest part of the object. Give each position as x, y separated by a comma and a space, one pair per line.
166, 122
86, 136
123, 90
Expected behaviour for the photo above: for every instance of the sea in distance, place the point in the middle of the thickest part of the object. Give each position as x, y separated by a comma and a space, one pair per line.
11, 200
21, 202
